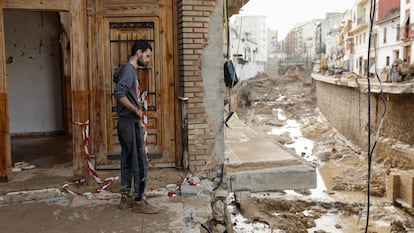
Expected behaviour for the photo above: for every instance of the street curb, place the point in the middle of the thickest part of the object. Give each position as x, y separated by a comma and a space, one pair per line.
31, 196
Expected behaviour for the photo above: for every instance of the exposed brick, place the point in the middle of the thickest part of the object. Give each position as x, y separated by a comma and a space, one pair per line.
209, 3
193, 35
203, 8
197, 100
196, 121
201, 19
199, 94
192, 2
198, 41
190, 67
193, 13
192, 46
194, 16
194, 89
186, 30
189, 19
204, 30
199, 105
188, 7
197, 79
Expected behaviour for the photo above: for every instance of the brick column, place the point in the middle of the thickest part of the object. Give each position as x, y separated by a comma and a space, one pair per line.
193, 18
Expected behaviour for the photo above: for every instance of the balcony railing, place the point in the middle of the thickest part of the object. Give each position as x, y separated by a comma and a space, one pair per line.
407, 32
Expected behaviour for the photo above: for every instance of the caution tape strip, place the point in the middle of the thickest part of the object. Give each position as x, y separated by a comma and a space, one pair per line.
144, 98
103, 184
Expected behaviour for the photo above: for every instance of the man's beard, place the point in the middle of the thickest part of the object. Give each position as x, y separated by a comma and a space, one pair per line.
140, 62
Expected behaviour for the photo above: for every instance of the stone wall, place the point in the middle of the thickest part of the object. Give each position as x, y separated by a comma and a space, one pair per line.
200, 41
346, 108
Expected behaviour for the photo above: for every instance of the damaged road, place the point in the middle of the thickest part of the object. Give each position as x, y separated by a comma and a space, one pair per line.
285, 110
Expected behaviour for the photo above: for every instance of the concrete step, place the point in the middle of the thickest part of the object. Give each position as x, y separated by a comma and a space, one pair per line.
272, 179
256, 163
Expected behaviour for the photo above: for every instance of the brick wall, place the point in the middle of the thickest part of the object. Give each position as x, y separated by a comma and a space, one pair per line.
193, 36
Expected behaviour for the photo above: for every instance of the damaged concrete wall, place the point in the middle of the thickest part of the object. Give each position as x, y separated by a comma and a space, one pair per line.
346, 108
33, 71
212, 73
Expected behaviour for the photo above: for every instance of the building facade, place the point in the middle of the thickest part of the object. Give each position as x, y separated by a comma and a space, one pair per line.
184, 79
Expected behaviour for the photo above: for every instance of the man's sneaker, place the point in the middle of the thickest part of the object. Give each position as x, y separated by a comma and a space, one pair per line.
126, 202
145, 208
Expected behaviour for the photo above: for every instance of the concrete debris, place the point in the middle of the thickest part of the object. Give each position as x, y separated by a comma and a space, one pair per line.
31, 196
19, 166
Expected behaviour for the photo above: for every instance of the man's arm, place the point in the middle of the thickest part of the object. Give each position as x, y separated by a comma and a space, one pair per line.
126, 103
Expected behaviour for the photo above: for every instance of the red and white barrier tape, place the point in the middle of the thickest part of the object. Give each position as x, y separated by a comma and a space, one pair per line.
103, 184
168, 191
144, 98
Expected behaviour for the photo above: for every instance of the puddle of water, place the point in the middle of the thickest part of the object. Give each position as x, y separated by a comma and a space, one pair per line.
302, 145
243, 225
327, 223
330, 222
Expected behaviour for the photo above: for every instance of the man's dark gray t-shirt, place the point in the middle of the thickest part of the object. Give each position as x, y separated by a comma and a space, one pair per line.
126, 85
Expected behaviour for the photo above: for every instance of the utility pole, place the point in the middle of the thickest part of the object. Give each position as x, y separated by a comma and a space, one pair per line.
319, 30
319, 25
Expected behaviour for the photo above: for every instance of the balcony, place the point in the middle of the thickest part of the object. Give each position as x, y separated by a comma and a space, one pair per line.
407, 33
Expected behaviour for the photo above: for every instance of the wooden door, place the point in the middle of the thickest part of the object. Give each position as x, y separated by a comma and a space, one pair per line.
119, 35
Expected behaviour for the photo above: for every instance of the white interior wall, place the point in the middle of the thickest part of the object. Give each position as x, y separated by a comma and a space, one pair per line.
34, 85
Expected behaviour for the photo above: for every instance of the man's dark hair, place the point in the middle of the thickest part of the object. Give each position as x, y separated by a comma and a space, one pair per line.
142, 45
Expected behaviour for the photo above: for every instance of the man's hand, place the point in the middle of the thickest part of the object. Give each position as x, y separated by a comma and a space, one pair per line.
126, 103
138, 112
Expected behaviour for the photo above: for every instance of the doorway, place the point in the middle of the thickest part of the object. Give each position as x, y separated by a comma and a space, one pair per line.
37, 103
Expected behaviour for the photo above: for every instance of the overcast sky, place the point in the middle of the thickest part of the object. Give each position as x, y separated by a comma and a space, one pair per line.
283, 15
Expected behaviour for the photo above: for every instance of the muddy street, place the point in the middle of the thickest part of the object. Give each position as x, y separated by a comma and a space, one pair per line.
285, 109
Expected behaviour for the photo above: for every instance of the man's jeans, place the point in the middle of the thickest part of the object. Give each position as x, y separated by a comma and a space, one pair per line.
133, 158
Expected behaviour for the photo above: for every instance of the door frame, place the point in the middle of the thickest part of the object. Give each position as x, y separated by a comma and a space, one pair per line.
167, 120
79, 78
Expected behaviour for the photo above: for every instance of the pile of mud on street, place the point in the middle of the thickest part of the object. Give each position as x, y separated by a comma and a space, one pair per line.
284, 108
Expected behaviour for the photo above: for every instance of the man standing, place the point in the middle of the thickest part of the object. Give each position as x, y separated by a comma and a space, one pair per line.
394, 71
134, 166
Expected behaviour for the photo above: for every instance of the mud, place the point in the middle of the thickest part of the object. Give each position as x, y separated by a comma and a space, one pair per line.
340, 206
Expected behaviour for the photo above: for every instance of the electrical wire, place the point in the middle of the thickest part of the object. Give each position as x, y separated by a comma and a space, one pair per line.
226, 18
206, 228
371, 150
371, 15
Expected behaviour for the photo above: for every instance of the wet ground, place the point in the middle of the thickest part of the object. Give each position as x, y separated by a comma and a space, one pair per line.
285, 109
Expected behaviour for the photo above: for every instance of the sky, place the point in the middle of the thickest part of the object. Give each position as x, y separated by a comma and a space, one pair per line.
283, 15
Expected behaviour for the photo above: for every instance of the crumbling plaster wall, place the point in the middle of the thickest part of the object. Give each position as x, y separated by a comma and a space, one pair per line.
212, 62
346, 108
33, 71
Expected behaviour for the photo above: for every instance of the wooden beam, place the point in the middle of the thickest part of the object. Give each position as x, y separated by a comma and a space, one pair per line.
80, 103
98, 98
41, 5
5, 150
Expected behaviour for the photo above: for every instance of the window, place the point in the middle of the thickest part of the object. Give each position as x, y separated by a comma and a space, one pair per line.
385, 35
387, 61
398, 32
